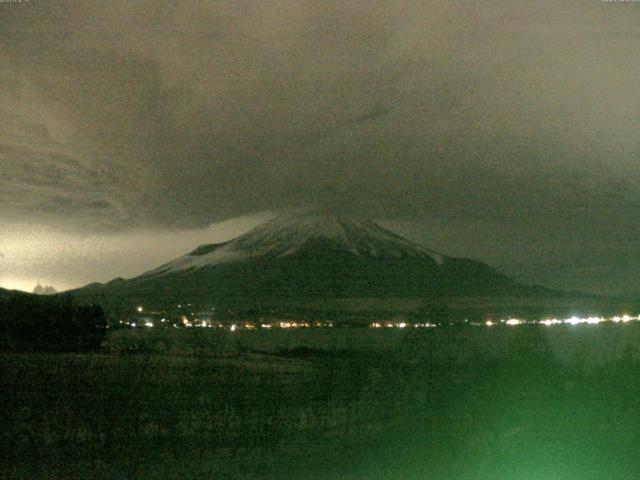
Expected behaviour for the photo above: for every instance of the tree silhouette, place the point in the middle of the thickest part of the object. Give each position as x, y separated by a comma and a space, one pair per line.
30, 322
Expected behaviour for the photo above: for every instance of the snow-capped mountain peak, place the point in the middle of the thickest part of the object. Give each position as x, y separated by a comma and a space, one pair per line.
292, 234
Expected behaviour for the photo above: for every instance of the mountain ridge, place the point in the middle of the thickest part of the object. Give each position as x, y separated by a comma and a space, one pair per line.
286, 236
304, 257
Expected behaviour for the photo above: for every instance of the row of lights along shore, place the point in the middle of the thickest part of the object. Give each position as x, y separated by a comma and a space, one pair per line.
566, 321
188, 323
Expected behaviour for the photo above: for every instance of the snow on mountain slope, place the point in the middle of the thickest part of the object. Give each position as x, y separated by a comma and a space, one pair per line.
289, 235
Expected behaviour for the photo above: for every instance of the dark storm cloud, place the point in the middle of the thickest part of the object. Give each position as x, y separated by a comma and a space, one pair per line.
505, 117
47, 171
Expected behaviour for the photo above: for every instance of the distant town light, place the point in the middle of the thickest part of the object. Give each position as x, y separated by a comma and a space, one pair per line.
489, 323
573, 321
139, 309
550, 321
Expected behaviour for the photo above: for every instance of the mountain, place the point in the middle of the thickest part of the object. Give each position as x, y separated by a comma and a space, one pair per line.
4, 293
40, 289
308, 257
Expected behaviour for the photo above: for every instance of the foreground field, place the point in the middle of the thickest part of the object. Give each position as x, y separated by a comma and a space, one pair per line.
506, 403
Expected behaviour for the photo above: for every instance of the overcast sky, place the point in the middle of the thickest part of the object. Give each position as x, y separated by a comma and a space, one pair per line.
502, 131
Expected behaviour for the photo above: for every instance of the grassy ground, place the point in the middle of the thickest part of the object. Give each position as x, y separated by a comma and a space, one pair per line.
509, 403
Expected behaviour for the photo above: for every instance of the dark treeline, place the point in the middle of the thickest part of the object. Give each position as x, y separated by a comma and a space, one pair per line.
33, 323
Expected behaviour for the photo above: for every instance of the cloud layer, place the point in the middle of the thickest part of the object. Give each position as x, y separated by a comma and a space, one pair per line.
490, 121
